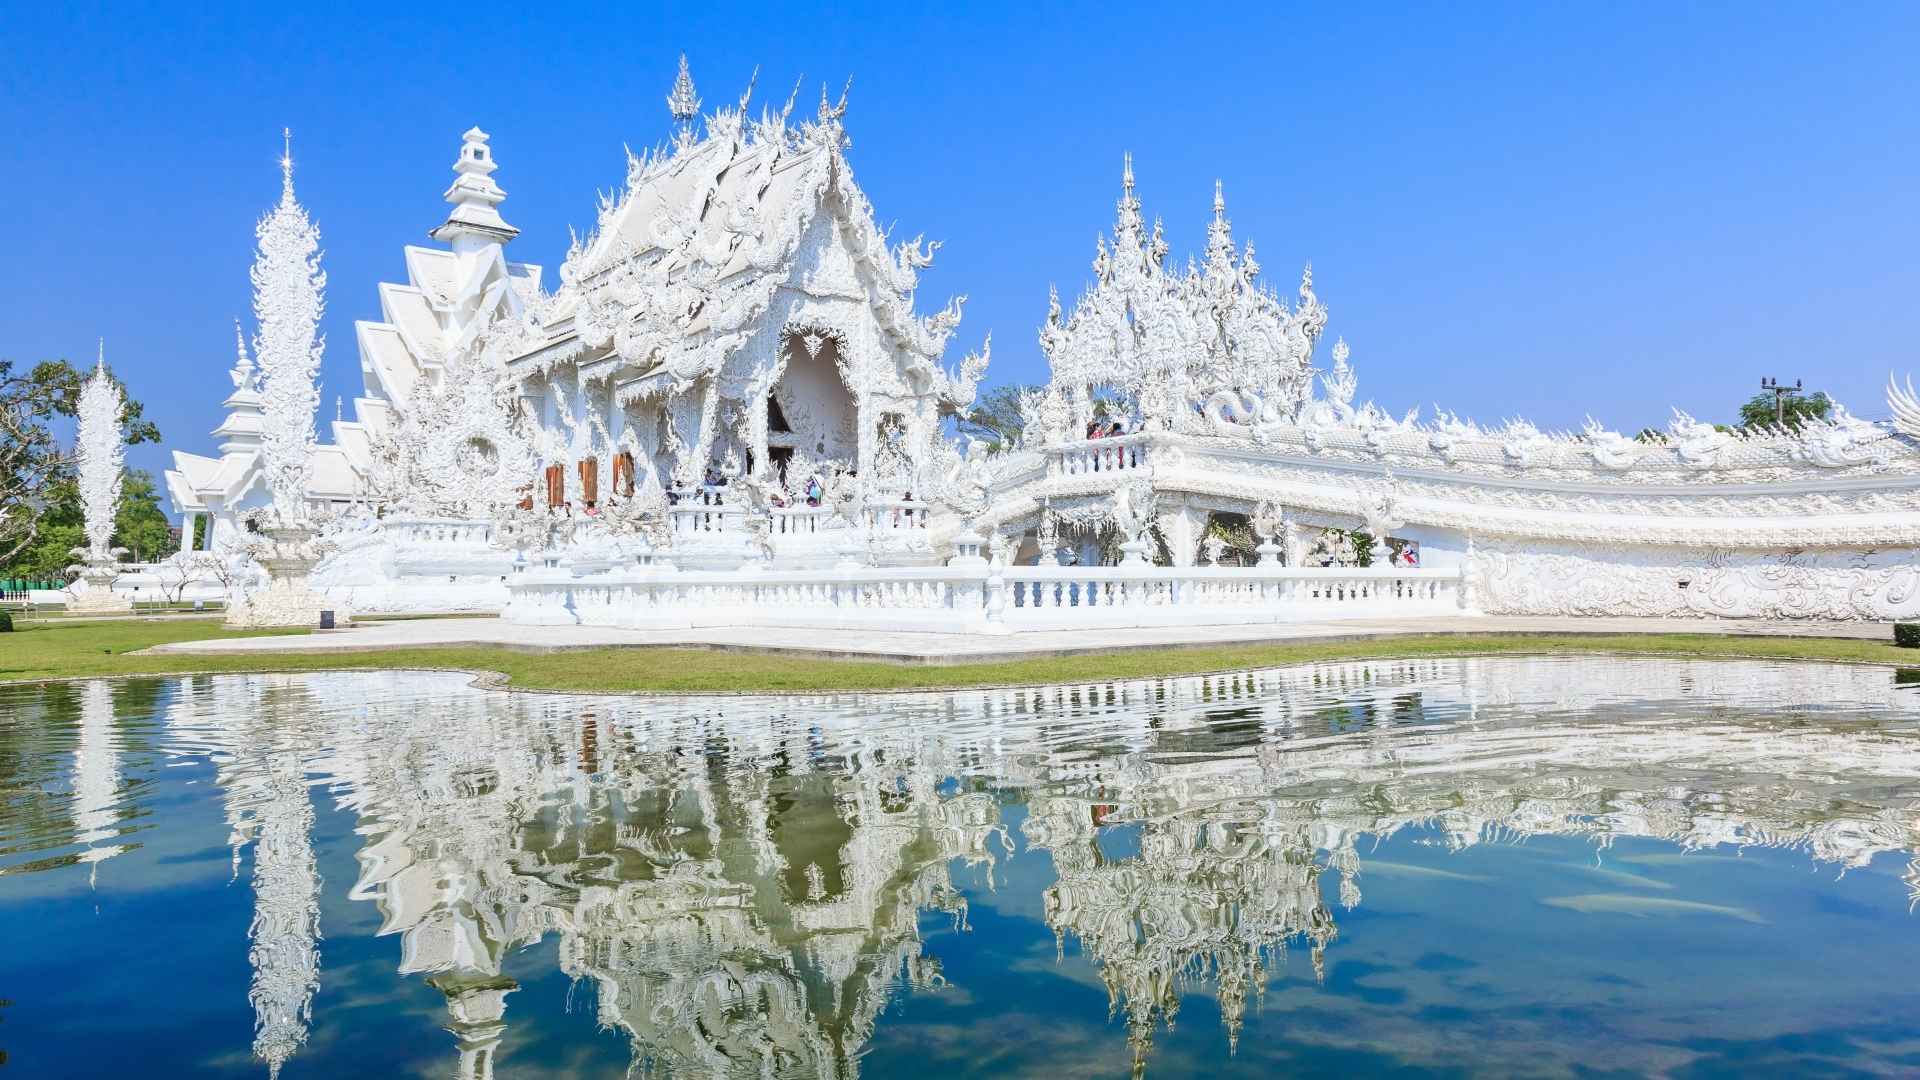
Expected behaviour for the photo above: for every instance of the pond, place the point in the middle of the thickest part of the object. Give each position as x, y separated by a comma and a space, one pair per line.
1539, 866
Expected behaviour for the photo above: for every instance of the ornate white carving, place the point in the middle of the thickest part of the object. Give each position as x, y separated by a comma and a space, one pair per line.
463, 446
1135, 508
1905, 405
1381, 513
1568, 579
1160, 338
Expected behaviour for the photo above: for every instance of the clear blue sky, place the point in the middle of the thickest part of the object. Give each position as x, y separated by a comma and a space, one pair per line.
1543, 210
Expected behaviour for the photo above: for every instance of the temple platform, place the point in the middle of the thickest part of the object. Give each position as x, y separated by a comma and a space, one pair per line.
941, 648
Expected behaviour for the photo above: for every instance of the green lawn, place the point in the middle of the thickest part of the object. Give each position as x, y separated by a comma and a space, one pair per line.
57, 650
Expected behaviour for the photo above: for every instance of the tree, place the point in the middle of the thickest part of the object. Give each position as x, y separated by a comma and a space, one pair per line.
1795, 411
995, 418
181, 569
32, 463
140, 526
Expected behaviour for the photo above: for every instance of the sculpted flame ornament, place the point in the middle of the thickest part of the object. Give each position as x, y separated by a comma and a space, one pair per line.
1905, 405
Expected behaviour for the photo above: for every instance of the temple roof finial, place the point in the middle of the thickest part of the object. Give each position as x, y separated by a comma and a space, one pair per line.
242, 361
1126, 172
475, 197
683, 104
101, 364
286, 163
830, 111
1219, 201
747, 94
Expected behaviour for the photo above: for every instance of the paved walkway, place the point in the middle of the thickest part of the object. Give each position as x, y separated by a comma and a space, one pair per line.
967, 648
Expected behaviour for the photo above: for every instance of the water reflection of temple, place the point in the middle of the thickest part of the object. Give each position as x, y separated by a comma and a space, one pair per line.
742, 881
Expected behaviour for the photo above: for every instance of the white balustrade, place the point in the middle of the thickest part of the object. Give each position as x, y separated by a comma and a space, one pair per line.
704, 518
1111, 455
426, 532
894, 515
801, 520
696, 518
980, 599
1065, 596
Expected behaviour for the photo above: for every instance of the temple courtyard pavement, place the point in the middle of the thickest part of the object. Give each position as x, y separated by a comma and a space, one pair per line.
938, 648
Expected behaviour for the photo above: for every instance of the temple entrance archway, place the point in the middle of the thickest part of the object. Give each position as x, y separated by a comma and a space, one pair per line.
811, 414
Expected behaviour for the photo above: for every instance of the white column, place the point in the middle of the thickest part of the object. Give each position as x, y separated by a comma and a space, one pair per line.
188, 522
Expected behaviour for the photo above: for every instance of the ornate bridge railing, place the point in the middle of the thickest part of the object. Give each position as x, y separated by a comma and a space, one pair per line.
1117, 454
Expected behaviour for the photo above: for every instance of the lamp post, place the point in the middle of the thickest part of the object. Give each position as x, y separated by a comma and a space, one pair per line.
1769, 384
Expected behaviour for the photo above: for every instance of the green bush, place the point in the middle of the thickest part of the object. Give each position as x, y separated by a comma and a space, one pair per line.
6, 623
1906, 635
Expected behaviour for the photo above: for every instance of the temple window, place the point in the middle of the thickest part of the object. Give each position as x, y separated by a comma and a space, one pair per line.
623, 474
556, 486
590, 480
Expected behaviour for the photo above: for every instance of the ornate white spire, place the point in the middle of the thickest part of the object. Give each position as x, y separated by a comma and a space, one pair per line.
1127, 222
476, 198
1220, 259
96, 775
286, 913
287, 301
244, 375
683, 104
100, 452
1341, 382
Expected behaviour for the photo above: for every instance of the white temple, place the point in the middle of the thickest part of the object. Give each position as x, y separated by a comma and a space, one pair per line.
730, 411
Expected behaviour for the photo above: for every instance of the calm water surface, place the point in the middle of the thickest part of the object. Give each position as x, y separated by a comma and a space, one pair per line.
1512, 866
